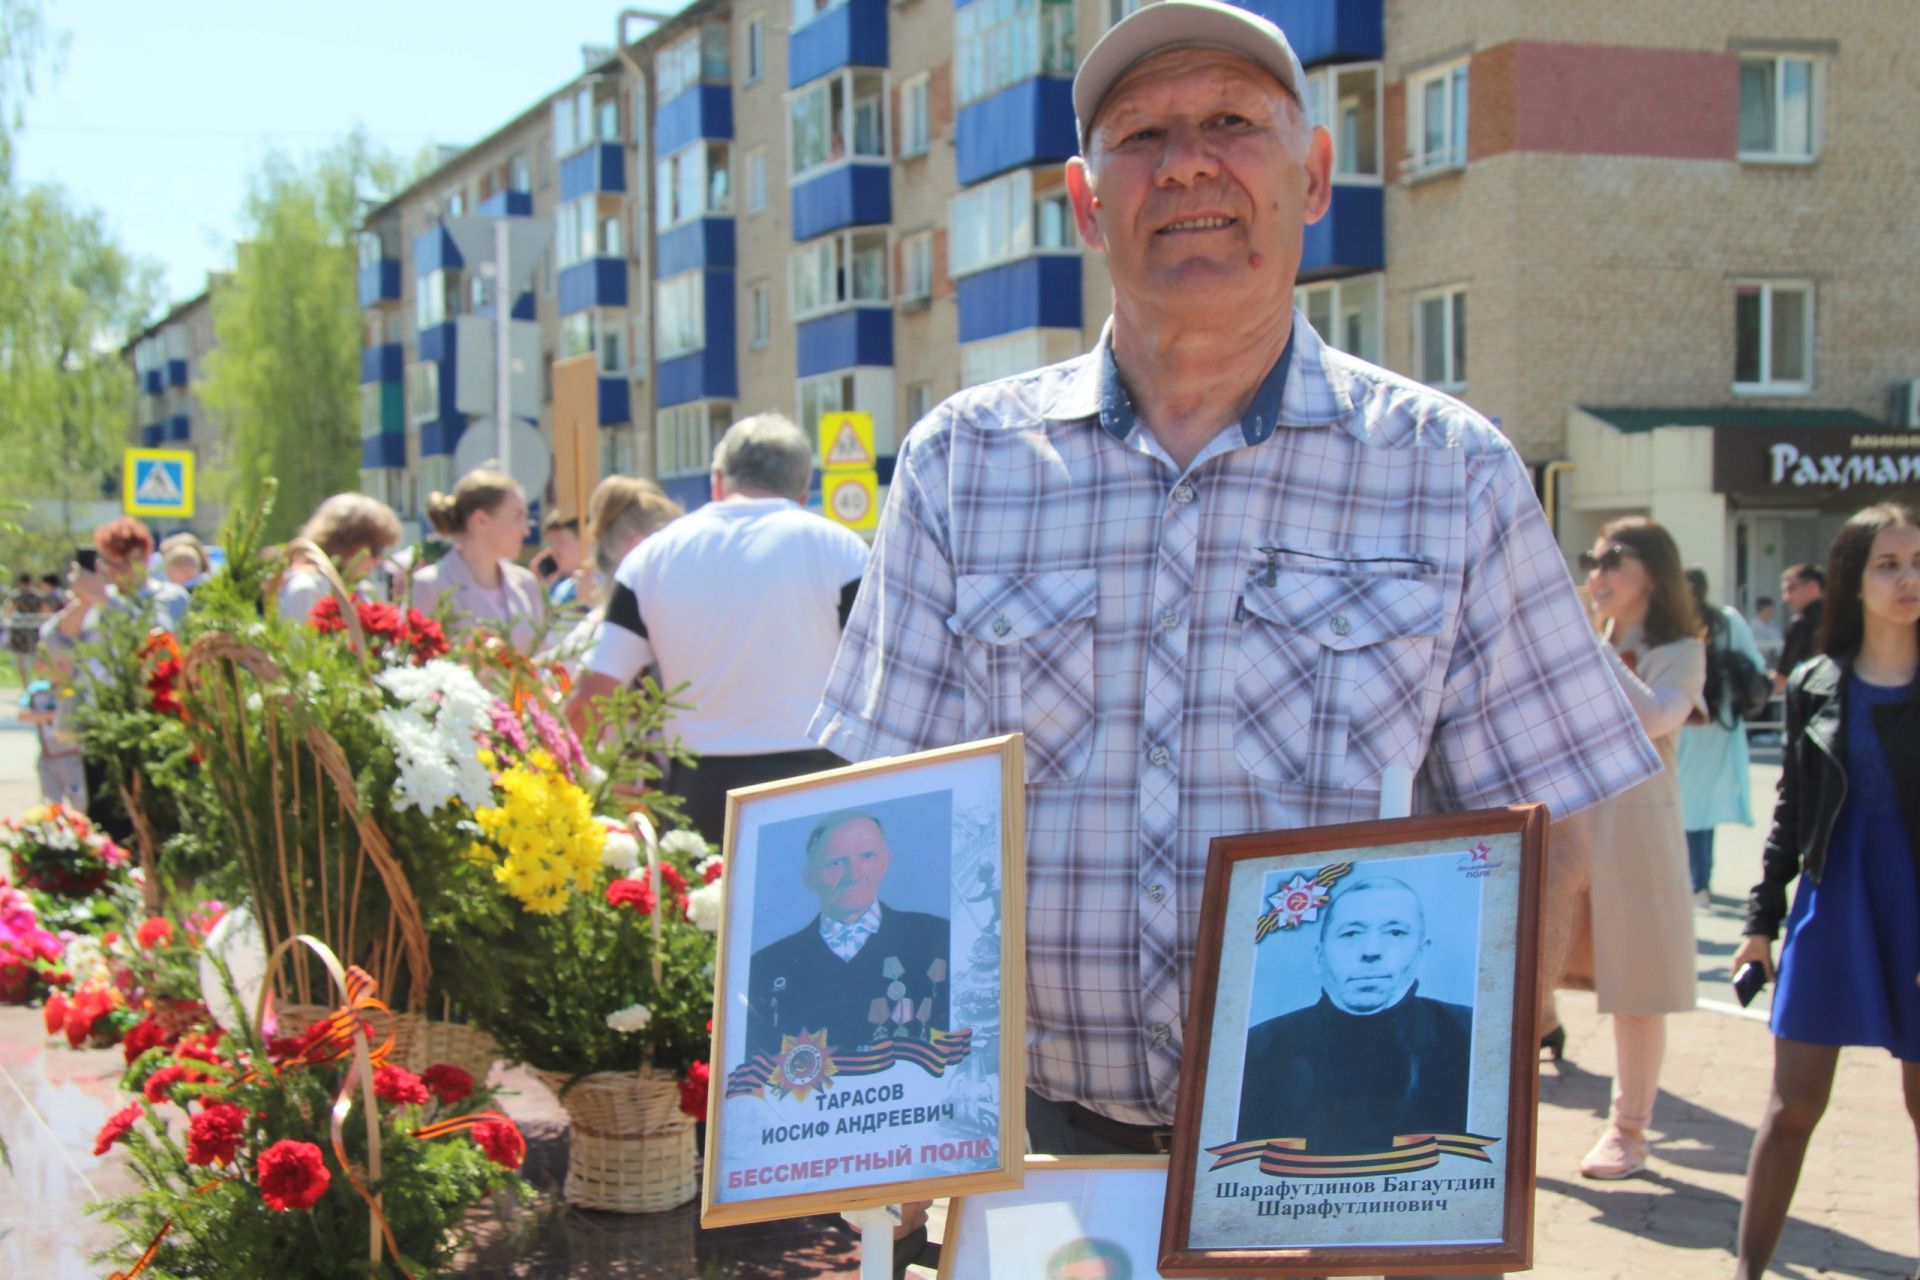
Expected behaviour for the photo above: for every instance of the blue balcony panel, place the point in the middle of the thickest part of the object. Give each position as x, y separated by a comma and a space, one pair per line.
862, 336
854, 195
615, 402
384, 363
523, 308
154, 381
507, 204
378, 282
388, 449
176, 373
712, 373
1327, 30
442, 436
1034, 293
153, 435
853, 34
600, 168
689, 491
1350, 239
179, 427
393, 407
597, 282
433, 250
1028, 123
704, 111
437, 343
697, 245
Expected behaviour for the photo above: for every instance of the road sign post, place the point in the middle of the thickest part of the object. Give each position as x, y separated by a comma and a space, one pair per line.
849, 485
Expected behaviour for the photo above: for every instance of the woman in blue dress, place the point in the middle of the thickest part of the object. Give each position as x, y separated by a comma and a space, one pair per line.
1847, 822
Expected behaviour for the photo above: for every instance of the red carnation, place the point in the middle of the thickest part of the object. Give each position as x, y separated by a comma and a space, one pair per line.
449, 1083
325, 616
381, 619
154, 931
670, 874
693, 1090
425, 637
117, 1126
501, 1141
283, 1047
87, 1007
159, 1086
637, 894
55, 1013
142, 1036
712, 870
214, 1135
292, 1175
398, 1085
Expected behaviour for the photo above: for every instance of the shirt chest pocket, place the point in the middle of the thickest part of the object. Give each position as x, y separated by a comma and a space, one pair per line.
1333, 671
1026, 643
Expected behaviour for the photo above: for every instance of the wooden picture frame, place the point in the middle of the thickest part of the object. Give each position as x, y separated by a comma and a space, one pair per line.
1404, 1117
1068, 1212
829, 1096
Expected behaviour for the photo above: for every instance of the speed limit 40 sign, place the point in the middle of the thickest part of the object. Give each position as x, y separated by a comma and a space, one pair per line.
851, 498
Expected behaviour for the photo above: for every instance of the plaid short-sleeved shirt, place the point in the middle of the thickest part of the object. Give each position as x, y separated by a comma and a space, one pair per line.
1354, 575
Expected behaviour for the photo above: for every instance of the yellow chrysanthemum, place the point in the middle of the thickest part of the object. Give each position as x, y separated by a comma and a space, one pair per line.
540, 839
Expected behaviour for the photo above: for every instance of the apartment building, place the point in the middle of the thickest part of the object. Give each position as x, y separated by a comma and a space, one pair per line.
1679, 231
168, 359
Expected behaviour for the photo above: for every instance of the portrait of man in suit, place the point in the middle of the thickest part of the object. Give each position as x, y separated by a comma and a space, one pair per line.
1089, 1258
859, 970
1372, 1058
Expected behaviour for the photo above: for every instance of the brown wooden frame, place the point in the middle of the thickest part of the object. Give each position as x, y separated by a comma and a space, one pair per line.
1514, 1251
1010, 753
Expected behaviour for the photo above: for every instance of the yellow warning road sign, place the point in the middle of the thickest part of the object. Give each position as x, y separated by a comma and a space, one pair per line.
157, 482
846, 441
851, 498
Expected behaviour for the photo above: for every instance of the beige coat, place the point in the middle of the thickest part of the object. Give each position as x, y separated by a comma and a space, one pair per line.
1636, 949
517, 610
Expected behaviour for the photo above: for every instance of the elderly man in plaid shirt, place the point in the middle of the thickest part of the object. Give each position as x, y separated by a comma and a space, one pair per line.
1219, 573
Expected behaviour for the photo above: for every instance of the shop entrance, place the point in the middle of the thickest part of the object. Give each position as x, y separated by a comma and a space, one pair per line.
1767, 541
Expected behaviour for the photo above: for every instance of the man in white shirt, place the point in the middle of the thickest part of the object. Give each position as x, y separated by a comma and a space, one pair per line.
743, 601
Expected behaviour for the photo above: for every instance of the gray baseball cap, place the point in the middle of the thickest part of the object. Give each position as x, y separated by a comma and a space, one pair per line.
1160, 25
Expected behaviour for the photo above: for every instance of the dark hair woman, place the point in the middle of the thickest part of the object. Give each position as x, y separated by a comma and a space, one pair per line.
1847, 823
1633, 897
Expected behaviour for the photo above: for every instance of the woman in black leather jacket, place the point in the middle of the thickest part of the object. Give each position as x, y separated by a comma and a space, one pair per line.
1847, 823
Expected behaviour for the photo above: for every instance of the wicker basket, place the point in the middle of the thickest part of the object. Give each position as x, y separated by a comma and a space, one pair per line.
458, 1044
631, 1147
293, 1019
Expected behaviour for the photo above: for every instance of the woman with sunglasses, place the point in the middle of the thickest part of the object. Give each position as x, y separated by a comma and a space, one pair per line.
1622, 921
1847, 822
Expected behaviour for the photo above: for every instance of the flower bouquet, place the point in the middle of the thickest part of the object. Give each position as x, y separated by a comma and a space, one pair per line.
56, 850
27, 948
250, 1164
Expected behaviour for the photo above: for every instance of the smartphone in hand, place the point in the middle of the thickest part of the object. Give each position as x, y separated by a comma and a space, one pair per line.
1747, 982
88, 558
546, 566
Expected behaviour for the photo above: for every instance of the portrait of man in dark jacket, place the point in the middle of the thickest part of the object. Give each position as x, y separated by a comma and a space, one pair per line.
1372, 1059
860, 970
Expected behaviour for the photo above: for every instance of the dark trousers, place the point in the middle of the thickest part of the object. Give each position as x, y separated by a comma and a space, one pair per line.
1700, 858
703, 786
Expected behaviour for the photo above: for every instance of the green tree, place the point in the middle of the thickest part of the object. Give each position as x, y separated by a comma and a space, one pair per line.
25, 43
285, 374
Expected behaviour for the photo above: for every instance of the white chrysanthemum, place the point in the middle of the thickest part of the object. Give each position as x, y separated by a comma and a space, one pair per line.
703, 906
86, 961
687, 843
622, 851
632, 1020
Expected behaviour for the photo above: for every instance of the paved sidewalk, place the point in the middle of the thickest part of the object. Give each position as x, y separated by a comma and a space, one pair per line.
1854, 1215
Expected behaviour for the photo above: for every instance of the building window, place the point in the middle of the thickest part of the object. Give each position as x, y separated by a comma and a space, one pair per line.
805, 11
370, 247
757, 180
436, 299
699, 57
1773, 338
761, 299
580, 232
423, 390
693, 182
916, 267
1118, 9
370, 417
1440, 339
839, 118
456, 204
1779, 112
577, 334
912, 124
617, 451
685, 436
518, 178
756, 51
1001, 357
1022, 213
1345, 313
819, 396
848, 268
919, 400
680, 314
998, 43
1437, 119
1345, 101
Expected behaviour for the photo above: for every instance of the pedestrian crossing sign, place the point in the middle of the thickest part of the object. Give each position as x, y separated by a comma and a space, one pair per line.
158, 482
846, 441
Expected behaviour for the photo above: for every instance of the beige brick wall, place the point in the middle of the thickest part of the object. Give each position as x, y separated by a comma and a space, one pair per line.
765, 239
926, 338
1609, 280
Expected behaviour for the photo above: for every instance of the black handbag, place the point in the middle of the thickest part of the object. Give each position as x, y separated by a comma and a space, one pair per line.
1737, 688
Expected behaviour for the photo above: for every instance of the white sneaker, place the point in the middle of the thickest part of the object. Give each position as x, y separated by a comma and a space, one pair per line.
1702, 899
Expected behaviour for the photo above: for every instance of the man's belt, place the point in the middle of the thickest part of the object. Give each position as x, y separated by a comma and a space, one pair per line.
1147, 1138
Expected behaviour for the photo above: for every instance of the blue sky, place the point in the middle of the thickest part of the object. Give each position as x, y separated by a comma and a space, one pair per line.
161, 110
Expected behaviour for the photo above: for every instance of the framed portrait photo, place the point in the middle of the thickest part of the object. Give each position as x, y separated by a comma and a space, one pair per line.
1361, 1071
869, 996
1075, 1218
